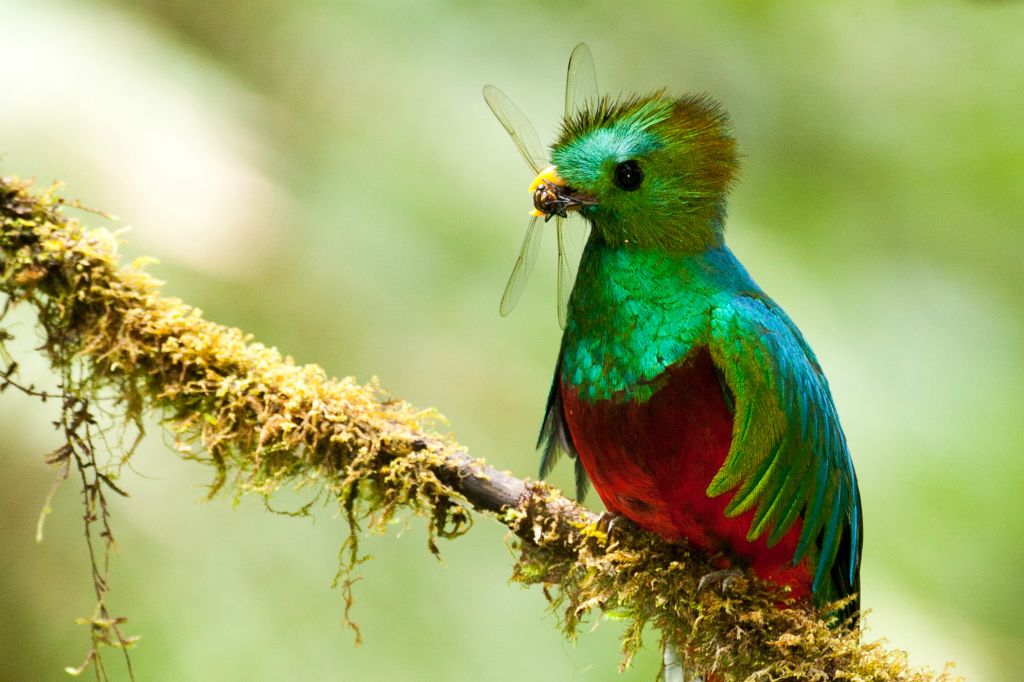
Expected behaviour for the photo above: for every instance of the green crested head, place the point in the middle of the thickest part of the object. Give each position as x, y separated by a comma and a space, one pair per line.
651, 172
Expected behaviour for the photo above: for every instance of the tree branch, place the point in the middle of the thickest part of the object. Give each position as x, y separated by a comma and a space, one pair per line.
262, 422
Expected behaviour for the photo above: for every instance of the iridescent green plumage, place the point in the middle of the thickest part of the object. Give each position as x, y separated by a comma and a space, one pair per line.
689, 397
635, 313
656, 285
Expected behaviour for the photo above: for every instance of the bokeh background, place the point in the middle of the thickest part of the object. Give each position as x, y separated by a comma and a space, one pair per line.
326, 176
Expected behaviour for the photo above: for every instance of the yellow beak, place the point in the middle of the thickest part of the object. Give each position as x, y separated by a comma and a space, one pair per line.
548, 176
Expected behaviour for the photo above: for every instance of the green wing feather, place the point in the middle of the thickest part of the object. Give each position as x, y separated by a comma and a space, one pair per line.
788, 457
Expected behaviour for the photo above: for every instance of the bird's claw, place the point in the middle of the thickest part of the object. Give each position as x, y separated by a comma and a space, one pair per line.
607, 522
724, 577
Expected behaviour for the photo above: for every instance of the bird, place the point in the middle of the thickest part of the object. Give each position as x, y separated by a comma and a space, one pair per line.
689, 399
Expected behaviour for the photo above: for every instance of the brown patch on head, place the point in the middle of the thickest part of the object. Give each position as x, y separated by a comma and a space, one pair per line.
704, 126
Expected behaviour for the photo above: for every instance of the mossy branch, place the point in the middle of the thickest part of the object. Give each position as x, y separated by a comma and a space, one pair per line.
262, 422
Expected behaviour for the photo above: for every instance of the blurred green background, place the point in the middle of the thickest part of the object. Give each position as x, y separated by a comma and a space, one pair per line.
326, 176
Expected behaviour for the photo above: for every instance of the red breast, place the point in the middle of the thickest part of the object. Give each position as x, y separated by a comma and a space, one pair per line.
653, 461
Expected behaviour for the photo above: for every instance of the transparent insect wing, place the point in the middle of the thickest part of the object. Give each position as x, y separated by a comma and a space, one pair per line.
580, 88
580, 80
518, 126
524, 265
564, 275
572, 236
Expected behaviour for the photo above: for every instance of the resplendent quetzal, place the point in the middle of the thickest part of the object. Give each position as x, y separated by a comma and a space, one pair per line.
687, 396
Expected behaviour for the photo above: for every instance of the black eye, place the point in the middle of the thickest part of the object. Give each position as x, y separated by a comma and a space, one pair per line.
628, 175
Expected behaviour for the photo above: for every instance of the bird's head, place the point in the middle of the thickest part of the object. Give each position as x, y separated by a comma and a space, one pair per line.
649, 172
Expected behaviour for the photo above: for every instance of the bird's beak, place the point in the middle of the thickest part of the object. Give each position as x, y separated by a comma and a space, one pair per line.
548, 176
552, 196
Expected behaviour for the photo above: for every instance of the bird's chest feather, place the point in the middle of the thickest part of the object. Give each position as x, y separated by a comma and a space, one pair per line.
652, 461
646, 410
632, 315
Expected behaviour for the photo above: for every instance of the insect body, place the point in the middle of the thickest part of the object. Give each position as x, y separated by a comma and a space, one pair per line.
547, 201
551, 196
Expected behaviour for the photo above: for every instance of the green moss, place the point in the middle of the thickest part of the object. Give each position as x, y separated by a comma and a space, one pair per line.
261, 422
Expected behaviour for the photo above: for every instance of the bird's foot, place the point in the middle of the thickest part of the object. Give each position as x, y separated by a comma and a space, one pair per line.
608, 522
724, 577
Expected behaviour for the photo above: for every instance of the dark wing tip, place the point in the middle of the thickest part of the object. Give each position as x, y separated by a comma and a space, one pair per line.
555, 439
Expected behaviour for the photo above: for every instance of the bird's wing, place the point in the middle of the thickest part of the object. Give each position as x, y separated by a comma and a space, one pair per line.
788, 457
555, 437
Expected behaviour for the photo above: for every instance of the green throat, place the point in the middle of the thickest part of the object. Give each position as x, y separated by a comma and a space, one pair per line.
635, 312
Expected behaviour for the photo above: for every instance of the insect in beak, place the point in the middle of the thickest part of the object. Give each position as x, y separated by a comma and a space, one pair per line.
553, 197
